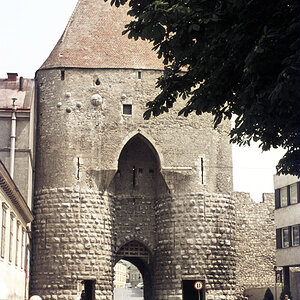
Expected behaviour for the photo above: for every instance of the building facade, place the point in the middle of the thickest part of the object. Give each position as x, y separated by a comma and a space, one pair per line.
17, 123
120, 274
15, 217
16, 183
110, 185
287, 220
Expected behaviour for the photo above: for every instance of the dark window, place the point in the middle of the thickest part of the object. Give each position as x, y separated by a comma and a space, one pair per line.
285, 237
293, 193
287, 195
189, 292
295, 235
62, 75
139, 75
277, 198
283, 197
127, 109
97, 81
278, 239
89, 289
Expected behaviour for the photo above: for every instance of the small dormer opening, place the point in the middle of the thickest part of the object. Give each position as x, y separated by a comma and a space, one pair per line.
127, 109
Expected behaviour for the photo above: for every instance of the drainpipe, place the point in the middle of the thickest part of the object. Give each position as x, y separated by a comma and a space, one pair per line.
13, 138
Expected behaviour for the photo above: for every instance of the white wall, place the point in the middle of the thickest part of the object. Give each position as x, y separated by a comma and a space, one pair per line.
13, 283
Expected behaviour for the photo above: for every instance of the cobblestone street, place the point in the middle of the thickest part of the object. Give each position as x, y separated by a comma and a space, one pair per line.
128, 294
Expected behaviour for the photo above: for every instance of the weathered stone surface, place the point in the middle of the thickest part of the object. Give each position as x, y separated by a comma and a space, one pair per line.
105, 179
255, 242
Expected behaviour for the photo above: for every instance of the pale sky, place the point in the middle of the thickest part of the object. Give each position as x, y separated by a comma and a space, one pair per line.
29, 29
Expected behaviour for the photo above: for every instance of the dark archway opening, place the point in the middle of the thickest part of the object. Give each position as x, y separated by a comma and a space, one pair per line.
138, 170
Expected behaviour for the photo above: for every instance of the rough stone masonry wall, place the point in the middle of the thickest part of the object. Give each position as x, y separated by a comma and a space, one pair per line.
79, 144
195, 241
72, 241
134, 220
255, 242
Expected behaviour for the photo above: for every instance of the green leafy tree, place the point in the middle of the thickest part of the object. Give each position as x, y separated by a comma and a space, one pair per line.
229, 57
268, 295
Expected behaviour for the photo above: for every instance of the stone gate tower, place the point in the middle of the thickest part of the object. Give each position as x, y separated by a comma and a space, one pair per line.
110, 185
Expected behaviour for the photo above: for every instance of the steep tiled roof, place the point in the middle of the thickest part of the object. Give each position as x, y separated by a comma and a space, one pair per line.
93, 39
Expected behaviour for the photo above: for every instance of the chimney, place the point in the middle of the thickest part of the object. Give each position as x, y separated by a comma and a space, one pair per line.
21, 80
12, 76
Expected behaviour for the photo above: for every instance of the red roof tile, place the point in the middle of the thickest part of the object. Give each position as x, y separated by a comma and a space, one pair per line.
93, 39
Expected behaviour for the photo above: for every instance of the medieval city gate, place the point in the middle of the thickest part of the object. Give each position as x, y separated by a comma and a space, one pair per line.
137, 187
105, 177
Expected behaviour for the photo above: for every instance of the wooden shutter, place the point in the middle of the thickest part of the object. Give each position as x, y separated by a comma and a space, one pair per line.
288, 194
278, 239
290, 236
277, 198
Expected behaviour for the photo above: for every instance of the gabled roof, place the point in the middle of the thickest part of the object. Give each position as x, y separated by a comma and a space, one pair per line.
21, 88
93, 39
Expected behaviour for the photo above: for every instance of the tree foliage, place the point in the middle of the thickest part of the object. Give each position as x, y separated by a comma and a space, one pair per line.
229, 57
268, 295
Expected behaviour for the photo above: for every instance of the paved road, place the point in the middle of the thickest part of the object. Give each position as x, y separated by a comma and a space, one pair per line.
128, 294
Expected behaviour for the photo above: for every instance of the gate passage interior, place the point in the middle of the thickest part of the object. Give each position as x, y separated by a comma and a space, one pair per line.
137, 254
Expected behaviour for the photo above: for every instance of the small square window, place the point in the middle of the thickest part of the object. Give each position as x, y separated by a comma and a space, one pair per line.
295, 235
127, 109
293, 194
283, 197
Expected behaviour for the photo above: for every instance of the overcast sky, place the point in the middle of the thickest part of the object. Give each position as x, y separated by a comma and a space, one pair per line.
29, 29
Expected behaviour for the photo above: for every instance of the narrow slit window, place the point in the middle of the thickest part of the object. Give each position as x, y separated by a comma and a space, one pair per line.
78, 169
202, 171
127, 109
139, 75
133, 176
62, 75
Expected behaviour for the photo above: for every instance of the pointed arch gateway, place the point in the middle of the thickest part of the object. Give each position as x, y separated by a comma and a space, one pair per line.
138, 171
138, 188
